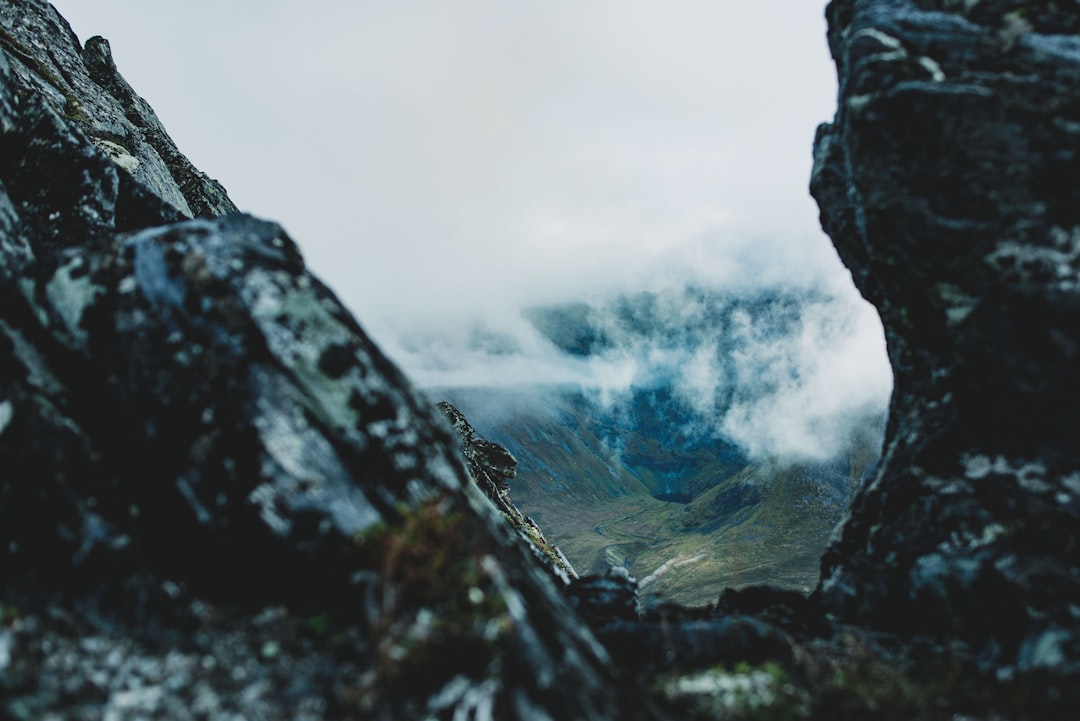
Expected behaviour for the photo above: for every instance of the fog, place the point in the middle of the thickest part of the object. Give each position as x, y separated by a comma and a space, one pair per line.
445, 167
786, 373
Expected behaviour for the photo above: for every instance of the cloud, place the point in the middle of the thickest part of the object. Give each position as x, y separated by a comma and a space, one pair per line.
486, 153
826, 384
445, 166
789, 374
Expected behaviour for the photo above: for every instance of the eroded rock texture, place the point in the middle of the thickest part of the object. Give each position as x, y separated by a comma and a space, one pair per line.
492, 467
948, 182
219, 500
83, 86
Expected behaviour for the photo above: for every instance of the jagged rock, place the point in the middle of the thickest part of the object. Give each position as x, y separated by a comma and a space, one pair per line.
601, 599
948, 183
219, 498
492, 467
82, 86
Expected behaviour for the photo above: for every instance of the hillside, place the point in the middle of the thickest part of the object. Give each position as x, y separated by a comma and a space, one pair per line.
597, 488
651, 475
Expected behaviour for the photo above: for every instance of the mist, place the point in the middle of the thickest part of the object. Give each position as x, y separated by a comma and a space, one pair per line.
448, 168
794, 375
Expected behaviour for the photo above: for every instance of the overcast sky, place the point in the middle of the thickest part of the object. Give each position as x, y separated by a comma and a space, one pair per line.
443, 161
486, 148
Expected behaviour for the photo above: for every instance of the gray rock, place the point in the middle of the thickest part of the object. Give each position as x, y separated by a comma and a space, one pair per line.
195, 431
948, 182
492, 467
82, 86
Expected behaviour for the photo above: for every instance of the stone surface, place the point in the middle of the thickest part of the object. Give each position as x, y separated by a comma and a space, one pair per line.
948, 182
220, 499
492, 467
82, 85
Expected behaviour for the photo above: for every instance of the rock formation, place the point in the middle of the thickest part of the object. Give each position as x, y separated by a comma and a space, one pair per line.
948, 183
492, 467
219, 500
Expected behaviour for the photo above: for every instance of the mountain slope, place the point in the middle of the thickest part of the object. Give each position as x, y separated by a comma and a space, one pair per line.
649, 476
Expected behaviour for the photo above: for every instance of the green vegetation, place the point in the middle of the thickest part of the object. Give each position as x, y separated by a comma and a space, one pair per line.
439, 607
73, 110
590, 480
778, 540
8, 614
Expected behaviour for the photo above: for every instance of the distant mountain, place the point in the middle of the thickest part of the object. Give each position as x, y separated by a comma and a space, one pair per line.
647, 474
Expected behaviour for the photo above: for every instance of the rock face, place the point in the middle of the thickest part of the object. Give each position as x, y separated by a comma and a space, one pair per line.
219, 499
948, 182
492, 467
83, 86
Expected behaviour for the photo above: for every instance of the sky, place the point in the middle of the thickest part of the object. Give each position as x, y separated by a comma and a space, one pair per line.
444, 165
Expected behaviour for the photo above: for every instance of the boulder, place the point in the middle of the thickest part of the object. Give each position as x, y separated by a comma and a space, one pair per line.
220, 500
948, 183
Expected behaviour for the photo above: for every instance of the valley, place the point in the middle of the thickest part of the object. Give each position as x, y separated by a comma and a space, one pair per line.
592, 494
713, 462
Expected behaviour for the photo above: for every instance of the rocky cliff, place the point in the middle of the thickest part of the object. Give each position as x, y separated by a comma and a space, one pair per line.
492, 467
948, 182
219, 500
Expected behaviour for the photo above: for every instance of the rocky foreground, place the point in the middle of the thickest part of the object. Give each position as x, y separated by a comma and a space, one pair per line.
220, 501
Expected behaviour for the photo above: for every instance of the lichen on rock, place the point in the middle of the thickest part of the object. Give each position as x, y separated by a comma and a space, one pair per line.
220, 499
953, 199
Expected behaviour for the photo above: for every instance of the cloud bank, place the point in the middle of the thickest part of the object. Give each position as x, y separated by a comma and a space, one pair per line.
478, 153
789, 374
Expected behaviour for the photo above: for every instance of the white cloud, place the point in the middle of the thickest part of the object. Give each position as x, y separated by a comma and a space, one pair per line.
444, 165
526, 149
829, 384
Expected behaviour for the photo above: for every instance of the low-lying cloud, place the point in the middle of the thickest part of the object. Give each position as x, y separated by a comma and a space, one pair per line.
790, 374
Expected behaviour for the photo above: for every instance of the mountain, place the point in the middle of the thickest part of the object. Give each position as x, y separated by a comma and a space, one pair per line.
646, 476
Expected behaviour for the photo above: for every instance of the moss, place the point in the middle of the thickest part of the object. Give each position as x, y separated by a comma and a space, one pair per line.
856, 680
73, 109
20, 51
319, 624
9, 614
538, 540
423, 556
440, 609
